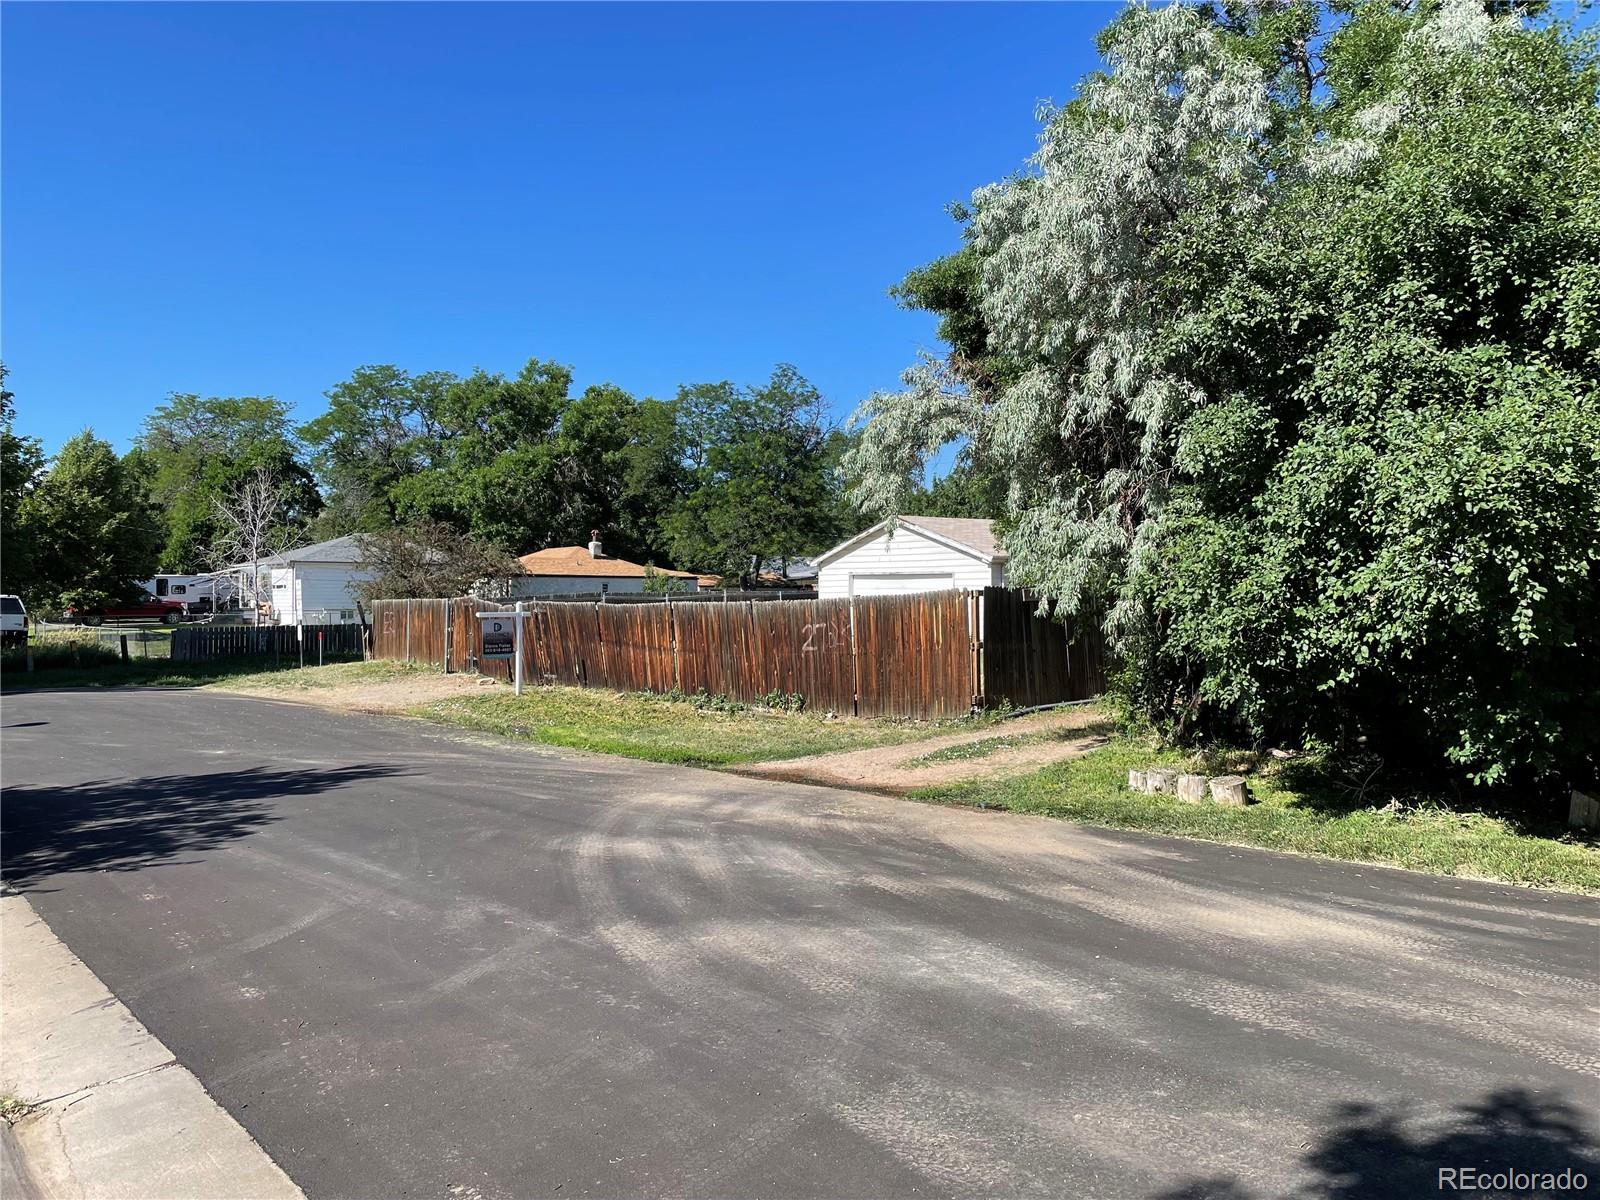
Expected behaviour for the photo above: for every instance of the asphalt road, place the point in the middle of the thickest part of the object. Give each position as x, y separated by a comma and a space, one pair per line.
416, 964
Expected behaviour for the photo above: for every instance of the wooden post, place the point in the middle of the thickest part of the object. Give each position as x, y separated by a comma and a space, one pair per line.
319, 647
516, 661
123, 640
672, 644
300, 636
855, 665
975, 632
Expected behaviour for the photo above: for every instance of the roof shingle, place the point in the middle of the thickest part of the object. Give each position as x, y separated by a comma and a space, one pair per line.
576, 560
974, 533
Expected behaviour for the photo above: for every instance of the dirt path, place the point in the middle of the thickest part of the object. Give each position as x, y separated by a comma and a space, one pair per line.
373, 696
1025, 744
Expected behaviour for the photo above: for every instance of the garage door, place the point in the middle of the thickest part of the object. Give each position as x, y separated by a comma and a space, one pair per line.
887, 584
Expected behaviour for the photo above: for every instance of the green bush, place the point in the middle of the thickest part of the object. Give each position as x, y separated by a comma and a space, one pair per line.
1292, 372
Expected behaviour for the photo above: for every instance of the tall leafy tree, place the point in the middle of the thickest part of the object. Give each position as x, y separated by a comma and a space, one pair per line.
517, 460
1295, 314
763, 480
195, 451
102, 530
381, 426
654, 477
21, 461
494, 469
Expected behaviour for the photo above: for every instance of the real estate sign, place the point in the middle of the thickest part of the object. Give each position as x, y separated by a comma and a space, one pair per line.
499, 635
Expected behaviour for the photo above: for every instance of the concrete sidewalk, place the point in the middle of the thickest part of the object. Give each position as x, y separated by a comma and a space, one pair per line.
117, 1116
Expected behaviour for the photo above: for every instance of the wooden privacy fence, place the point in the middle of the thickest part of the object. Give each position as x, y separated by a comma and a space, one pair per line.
201, 643
931, 654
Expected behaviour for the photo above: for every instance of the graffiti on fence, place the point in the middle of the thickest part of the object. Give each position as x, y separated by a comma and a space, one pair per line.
824, 635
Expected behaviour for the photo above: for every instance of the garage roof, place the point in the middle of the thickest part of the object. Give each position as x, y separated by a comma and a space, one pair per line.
970, 535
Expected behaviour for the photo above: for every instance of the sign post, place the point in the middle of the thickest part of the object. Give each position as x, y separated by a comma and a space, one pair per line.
502, 638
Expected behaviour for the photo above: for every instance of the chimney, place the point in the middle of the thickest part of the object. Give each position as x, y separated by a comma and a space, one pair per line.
595, 550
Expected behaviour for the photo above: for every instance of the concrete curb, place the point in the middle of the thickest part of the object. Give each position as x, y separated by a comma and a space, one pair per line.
15, 1181
117, 1116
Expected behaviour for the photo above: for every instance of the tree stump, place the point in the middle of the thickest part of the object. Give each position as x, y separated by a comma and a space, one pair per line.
1230, 790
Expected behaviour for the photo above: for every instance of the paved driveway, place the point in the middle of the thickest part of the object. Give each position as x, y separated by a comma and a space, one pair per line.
417, 965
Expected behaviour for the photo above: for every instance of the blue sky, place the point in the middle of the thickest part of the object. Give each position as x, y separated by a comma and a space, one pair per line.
255, 199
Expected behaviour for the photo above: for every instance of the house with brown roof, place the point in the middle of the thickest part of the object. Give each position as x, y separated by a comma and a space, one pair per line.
587, 570
913, 554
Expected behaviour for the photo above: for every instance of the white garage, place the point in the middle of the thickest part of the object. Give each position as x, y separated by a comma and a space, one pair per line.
314, 585
920, 554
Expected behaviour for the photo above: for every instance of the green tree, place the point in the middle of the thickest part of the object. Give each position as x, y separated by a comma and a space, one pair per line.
712, 476
21, 461
495, 471
976, 484
102, 529
1296, 310
381, 427
763, 480
195, 450
518, 461
654, 477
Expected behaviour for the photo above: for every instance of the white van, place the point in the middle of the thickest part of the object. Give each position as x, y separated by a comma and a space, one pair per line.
13, 621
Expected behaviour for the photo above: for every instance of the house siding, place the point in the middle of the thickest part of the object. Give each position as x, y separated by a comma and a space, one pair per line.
906, 561
316, 593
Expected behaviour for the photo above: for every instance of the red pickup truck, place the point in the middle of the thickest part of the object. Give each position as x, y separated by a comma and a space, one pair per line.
168, 612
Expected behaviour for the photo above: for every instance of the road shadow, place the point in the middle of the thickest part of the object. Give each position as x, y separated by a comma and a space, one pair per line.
1386, 1152
126, 824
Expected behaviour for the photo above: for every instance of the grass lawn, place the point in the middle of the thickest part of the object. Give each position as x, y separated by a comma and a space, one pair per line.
1303, 805
667, 730
292, 678
162, 672
984, 747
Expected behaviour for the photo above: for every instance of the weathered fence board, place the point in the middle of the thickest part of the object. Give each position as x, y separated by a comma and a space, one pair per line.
808, 651
711, 642
914, 654
635, 647
932, 654
1030, 659
205, 643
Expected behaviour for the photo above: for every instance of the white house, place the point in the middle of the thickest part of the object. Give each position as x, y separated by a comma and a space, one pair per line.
575, 570
314, 585
921, 554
